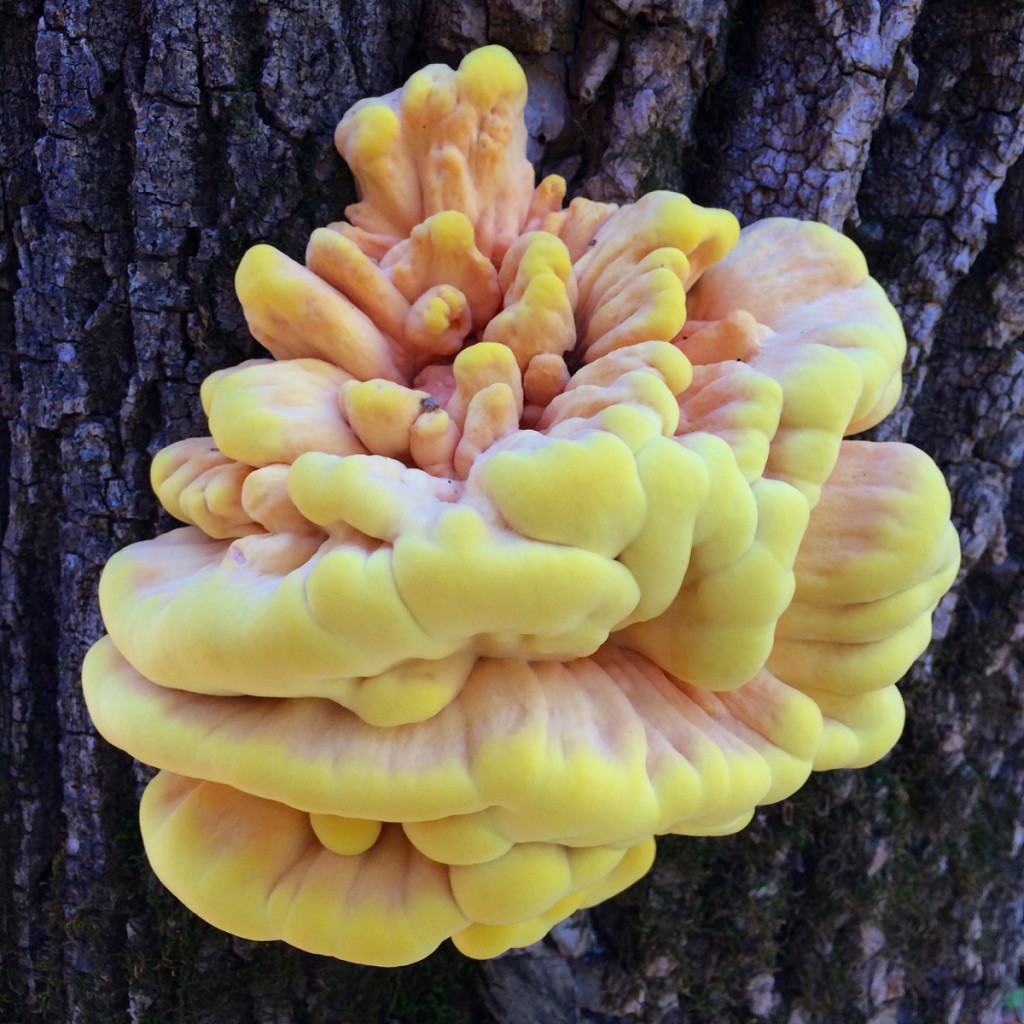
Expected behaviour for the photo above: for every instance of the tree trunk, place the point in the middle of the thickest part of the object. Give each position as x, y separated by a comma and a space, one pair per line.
145, 144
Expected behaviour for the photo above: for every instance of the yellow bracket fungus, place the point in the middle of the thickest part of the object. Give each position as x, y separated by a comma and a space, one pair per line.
540, 536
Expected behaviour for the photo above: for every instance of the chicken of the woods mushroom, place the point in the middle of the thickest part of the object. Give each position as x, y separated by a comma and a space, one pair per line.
538, 536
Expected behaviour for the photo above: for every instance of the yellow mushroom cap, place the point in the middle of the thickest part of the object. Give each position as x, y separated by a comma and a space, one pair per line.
832, 339
447, 141
538, 537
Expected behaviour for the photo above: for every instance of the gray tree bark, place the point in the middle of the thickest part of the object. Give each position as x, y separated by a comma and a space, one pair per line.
145, 144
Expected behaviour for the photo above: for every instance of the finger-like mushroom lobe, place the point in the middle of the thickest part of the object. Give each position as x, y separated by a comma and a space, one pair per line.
538, 537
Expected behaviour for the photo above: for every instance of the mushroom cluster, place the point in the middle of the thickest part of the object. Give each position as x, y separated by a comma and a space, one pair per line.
538, 537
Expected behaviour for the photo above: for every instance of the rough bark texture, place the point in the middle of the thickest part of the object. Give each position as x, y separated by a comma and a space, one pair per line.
144, 144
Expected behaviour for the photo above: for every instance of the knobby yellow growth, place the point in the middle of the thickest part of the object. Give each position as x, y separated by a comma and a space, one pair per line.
539, 537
